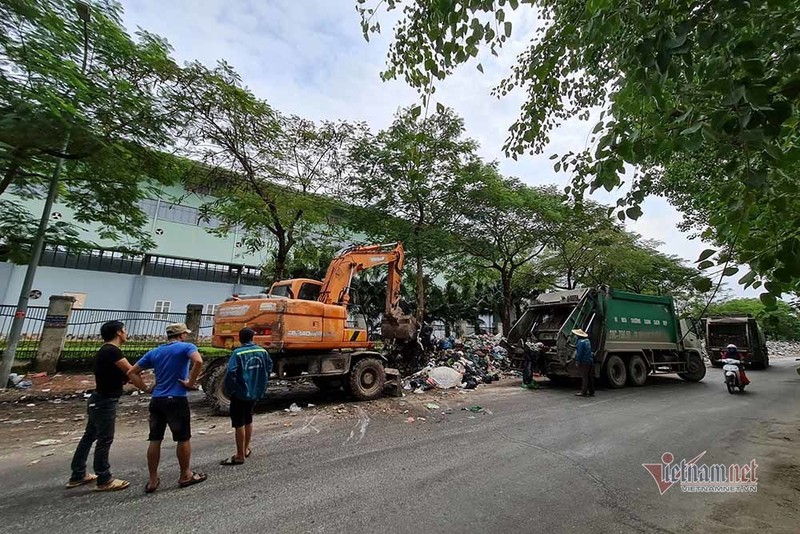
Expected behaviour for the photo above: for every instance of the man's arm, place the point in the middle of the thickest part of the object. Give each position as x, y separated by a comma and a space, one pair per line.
197, 366
135, 375
124, 365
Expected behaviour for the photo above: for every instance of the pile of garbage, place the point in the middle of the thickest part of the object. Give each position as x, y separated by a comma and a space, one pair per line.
461, 363
783, 349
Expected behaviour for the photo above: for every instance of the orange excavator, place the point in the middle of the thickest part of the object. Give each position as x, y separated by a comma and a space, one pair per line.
304, 325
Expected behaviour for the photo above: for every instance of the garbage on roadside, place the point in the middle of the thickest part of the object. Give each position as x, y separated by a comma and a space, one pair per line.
294, 408
47, 442
463, 363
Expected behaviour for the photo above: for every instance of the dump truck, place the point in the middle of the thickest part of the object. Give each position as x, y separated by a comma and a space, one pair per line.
304, 325
742, 331
632, 336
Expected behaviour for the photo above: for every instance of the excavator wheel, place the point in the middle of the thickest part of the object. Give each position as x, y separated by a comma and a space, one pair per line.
215, 392
367, 379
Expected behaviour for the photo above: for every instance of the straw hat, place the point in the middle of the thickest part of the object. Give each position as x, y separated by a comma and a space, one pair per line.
580, 333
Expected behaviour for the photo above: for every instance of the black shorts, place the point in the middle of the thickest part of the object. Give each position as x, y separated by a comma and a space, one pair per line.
241, 412
172, 412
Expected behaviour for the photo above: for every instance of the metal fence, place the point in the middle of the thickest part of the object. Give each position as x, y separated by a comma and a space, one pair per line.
31, 329
146, 330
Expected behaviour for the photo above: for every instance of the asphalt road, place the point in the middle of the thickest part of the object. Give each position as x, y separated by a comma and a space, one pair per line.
540, 461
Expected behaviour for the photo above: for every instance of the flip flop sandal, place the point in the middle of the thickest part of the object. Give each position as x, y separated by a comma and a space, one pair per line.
248, 453
88, 479
231, 461
197, 478
114, 485
148, 489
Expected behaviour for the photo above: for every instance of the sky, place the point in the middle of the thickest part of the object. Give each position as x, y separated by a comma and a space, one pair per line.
309, 57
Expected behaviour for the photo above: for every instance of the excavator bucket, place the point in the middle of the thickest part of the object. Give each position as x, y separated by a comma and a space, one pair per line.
399, 326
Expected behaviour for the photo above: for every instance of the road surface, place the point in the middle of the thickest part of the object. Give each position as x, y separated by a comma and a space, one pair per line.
532, 461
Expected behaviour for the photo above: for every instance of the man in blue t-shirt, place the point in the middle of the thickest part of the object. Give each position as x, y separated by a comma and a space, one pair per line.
169, 405
246, 380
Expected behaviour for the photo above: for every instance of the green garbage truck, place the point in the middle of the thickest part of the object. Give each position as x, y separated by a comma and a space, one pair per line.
632, 336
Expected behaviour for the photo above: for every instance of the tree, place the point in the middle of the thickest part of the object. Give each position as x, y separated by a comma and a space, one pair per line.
577, 241
274, 177
502, 224
75, 88
672, 78
408, 182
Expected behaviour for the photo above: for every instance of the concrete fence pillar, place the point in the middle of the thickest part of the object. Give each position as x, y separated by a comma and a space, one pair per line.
54, 333
194, 313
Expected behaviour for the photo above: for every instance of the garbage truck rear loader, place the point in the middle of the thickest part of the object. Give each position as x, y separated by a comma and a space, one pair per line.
632, 336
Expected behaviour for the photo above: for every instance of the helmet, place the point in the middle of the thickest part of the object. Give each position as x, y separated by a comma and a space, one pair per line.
731, 348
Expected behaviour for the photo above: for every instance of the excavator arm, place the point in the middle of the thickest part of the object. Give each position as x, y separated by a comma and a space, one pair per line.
336, 285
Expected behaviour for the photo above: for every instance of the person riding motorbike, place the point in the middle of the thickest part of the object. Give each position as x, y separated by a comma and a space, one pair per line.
732, 352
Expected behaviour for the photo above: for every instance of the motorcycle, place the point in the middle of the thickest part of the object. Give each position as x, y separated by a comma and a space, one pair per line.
733, 375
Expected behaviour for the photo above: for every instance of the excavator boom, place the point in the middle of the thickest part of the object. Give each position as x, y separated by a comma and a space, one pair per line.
336, 285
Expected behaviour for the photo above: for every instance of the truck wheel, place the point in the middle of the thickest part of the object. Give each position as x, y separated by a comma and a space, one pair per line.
637, 371
367, 379
215, 392
616, 374
695, 369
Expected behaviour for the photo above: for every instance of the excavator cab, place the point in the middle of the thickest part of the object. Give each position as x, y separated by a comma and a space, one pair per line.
298, 288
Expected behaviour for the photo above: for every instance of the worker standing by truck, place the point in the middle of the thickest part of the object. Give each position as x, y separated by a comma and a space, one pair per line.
249, 367
585, 361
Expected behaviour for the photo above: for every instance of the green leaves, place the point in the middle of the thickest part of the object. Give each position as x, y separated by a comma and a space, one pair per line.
110, 99
707, 253
685, 85
703, 284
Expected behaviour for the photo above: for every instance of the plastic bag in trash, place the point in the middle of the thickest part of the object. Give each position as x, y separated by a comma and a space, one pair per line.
13, 380
446, 377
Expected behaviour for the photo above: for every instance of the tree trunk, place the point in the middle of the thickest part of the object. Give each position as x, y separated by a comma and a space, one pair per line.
281, 256
420, 290
11, 171
506, 282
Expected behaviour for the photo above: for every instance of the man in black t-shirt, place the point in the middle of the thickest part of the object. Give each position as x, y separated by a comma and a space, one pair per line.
110, 373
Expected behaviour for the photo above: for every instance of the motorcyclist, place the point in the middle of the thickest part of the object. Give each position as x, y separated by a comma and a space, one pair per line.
732, 352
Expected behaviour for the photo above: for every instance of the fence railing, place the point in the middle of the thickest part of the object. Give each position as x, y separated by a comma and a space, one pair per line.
145, 329
31, 329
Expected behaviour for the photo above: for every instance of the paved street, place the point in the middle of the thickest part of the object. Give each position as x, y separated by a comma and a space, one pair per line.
540, 461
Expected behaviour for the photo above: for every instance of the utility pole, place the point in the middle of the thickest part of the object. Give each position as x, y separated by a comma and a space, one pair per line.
83, 11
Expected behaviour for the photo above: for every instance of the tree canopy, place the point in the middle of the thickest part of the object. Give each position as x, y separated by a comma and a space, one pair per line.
408, 182
75, 85
671, 79
274, 177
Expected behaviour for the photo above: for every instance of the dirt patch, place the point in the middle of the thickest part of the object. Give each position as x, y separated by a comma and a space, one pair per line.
54, 409
776, 508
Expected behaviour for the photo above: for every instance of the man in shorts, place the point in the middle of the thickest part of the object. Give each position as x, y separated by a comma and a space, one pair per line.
246, 380
169, 405
110, 374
